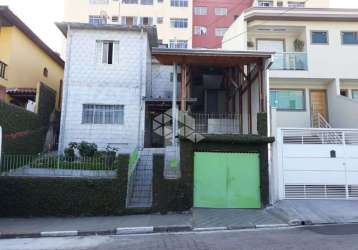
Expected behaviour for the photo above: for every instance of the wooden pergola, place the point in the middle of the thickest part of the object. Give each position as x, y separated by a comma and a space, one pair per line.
241, 70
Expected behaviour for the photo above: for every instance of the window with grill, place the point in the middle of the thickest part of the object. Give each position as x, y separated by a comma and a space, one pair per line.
102, 114
97, 20
200, 30
178, 44
115, 19
179, 3
288, 99
221, 11
146, 21
200, 11
349, 38
220, 31
180, 23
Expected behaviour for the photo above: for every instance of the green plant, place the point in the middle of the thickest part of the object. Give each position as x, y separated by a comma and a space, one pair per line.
299, 45
87, 149
69, 153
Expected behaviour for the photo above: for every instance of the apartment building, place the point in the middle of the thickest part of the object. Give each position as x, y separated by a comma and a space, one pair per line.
211, 19
173, 18
313, 95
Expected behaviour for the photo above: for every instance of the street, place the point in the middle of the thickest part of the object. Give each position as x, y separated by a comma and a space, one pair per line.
318, 237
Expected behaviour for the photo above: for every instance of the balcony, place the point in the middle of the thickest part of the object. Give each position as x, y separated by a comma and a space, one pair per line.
290, 61
217, 123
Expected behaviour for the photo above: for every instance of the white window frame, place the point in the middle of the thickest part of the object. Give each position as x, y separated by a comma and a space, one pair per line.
221, 11
265, 3
97, 19
342, 33
200, 11
220, 32
295, 4
104, 47
102, 114
200, 30
98, 1
179, 3
179, 23
178, 44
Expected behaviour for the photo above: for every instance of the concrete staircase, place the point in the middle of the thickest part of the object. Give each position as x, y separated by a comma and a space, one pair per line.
141, 191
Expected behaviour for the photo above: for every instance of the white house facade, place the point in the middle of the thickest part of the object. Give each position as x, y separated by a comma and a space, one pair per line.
313, 95
107, 71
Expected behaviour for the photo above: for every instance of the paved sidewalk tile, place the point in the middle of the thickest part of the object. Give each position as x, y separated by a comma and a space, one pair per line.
36, 225
235, 218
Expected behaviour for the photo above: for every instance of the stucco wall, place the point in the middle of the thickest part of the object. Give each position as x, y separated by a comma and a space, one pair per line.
89, 82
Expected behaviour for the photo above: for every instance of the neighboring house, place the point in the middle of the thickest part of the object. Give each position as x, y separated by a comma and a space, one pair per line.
313, 88
173, 18
25, 62
211, 19
106, 74
114, 95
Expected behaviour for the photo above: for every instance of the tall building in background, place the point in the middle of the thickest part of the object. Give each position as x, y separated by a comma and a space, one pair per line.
173, 18
211, 19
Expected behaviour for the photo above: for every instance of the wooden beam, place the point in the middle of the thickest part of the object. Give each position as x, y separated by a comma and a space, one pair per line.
261, 89
183, 88
249, 109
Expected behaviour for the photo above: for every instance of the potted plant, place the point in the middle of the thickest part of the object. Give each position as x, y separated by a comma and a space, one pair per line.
298, 45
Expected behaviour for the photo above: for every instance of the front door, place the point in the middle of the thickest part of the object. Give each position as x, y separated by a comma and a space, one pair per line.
318, 100
226, 180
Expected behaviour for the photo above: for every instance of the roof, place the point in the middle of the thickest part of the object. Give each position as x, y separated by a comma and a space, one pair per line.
213, 57
301, 14
8, 18
151, 30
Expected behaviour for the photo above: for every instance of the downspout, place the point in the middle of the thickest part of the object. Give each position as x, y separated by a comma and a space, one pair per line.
65, 89
140, 90
174, 104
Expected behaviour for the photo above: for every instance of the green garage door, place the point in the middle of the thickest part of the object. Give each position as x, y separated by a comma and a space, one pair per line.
226, 180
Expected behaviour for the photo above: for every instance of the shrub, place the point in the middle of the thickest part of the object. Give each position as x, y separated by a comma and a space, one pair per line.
87, 149
69, 154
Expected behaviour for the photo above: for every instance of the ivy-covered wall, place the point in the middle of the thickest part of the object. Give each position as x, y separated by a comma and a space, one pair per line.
46, 102
23, 131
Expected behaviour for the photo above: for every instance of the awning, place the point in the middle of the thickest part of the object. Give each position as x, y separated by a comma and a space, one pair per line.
25, 93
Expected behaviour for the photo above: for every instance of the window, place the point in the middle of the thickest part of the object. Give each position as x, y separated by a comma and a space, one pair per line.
220, 31
130, 1
108, 52
97, 20
355, 94
129, 20
200, 30
319, 37
2, 70
279, 4
146, 2
179, 3
172, 77
160, 20
99, 1
200, 11
296, 4
178, 44
349, 37
146, 21
288, 99
221, 11
262, 3
115, 19
45, 72
180, 23
102, 114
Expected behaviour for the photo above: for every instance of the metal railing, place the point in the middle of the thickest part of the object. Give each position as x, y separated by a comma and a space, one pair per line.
58, 165
290, 61
320, 136
217, 123
132, 167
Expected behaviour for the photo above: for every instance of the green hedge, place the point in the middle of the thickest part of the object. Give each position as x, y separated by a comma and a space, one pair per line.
169, 195
45, 196
262, 124
14, 119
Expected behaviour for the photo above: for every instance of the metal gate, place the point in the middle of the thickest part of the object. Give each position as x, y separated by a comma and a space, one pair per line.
226, 180
317, 163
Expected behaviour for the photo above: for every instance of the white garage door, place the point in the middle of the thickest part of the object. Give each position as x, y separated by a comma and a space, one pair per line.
318, 163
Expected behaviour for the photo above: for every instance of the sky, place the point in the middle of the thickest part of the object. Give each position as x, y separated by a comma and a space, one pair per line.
40, 16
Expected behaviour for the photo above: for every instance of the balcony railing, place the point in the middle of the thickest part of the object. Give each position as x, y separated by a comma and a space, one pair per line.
217, 123
2, 69
290, 61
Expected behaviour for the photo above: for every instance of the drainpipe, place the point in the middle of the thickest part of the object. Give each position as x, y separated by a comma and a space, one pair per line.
65, 89
140, 89
174, 104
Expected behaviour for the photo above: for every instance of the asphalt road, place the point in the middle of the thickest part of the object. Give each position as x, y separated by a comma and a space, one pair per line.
317, 238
